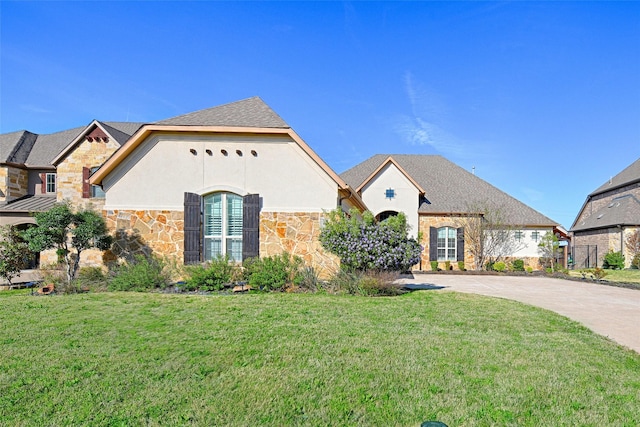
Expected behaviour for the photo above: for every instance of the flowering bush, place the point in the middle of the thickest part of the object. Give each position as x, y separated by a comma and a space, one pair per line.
363, 244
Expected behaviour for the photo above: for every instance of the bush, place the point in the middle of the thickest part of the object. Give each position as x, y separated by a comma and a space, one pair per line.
434, 265
365, 283
90, 279
142, 274
529, 269
614, 260
499, 266
599, 273
635, 263
489, 266
363, 244
447, 265
309, 280
211, 276
273, 273
517, 265
461, 266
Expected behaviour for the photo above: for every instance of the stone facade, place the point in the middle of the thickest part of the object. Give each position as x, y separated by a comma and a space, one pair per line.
87, 154
297, 233
425, 222
160, 232
13, 183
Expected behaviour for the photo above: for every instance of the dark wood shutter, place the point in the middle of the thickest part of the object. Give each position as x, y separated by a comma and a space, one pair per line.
460, 244
192, 228
43, 183
250, 226
433, 244
86, 187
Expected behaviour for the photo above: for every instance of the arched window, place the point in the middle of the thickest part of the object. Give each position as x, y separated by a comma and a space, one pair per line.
386, 214
447, 244
223, 226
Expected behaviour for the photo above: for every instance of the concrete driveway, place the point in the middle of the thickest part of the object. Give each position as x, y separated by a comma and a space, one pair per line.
607, 310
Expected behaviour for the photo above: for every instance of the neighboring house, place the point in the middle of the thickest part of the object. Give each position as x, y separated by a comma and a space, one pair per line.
435, 194
607, 217
233, 180
38, 170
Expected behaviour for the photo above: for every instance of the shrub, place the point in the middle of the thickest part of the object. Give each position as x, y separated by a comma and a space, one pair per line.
529, 269
447, 265
434, 265
211, 276
309, 280
141, 274
345, 280
489, 265
363, 244
499, 266
517, 265
90, 279
365, 283
273, 273
614, 260
599, 273
635, 263
461, 266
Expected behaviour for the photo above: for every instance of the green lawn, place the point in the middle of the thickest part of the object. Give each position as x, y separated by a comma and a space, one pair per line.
627, 276
301, 359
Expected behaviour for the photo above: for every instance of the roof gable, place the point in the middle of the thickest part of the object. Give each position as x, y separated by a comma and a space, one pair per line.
251, 112
448, 188
389, 161
16, 146
623, 210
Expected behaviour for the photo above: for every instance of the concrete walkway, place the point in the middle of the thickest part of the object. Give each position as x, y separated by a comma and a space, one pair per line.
607, 310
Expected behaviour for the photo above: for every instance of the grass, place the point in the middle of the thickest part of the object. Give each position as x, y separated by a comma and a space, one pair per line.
116, 359
625, 276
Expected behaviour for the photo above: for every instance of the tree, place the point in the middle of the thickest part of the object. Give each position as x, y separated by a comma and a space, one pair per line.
363, 244
69, 233
13, 253
633, 246
488, 236
548, 249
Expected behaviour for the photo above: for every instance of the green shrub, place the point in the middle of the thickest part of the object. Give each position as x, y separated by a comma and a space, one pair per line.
434, 265
517, 265
461, 266
489, 265
614, 260
345, 280
309, 280
90, 279
365, 283
447, 265
499, 266
529, 269
273, 273
211, 276
142, 274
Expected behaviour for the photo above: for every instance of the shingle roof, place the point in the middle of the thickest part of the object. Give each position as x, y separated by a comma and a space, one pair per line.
623, 210
449, 188
251, 112
15, 146
121, 131
48, 146
629, 175
29, 203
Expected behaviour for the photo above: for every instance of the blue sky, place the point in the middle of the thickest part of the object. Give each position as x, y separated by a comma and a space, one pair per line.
542, 98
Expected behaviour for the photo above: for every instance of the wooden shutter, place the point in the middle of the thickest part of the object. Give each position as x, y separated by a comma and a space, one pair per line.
43, 183
250, 226
433, 244
192, 227
460, 244
86, 187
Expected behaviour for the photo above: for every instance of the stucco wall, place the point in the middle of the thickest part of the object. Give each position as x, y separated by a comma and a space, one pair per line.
405, 200
161, 169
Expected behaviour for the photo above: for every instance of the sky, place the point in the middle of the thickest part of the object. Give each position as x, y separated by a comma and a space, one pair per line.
540, 99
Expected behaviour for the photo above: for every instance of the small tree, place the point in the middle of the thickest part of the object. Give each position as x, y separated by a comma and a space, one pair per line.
363, 244
488, 236
633, 246
69, 233
548, 248
13, 253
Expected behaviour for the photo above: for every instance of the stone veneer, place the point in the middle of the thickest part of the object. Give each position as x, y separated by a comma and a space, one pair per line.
145, 232
297, 233
425, 222
69, 172
13, 183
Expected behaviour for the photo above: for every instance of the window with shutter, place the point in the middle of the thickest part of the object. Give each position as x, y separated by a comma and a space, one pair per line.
192, 228
223, 226
447, 243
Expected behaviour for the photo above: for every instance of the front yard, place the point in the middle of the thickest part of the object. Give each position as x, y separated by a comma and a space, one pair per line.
305, 359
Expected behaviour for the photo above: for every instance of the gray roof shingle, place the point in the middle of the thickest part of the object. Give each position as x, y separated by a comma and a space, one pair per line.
15, 146
48, 146
250, 112
623, 210
629, 175
449, 188
39, 203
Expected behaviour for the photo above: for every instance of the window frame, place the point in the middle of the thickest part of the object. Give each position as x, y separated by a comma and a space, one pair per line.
50, 183
451, 235
222, 225
96, 188
536, 236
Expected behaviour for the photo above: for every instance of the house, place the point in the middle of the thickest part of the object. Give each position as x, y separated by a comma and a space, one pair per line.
435, 195
38, 170
608, 216
236, 180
